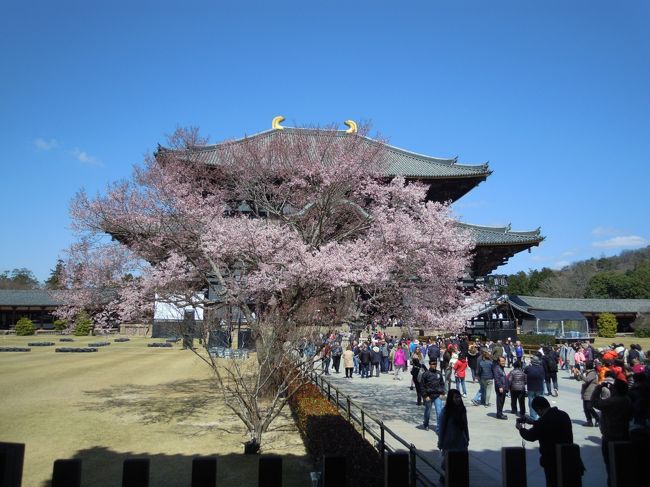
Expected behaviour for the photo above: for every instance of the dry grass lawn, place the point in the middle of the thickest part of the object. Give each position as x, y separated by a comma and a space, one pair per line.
128, 400
625, 340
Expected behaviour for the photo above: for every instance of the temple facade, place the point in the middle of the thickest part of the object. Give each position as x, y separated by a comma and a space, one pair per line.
448, 181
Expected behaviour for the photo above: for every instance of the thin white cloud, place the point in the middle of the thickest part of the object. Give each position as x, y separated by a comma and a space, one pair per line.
85, 158
624, 241
42, 144
568, 253
605, 231
560, 264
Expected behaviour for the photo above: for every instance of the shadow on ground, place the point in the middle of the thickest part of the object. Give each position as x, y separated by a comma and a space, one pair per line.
174, 401
102, 467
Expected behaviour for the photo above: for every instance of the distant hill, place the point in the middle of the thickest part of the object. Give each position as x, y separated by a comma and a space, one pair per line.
626, 275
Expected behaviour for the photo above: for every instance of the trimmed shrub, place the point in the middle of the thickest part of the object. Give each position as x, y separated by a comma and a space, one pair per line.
607, 325
325, 431
25, 327
60, 325
83, 324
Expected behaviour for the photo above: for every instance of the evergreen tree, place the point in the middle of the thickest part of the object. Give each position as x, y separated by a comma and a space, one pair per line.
55, 281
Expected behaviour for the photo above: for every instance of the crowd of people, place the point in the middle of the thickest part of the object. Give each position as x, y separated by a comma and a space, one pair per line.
615, 384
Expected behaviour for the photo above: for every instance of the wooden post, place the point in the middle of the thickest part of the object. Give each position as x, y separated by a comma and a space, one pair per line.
135, 472
413, 478
270, 471
396, 468
11, 464
622, 469
456, 469
204, 472
513, 466
567, 463
66, 473
333, 471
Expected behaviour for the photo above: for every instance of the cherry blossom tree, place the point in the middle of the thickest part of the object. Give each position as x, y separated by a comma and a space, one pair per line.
277, 226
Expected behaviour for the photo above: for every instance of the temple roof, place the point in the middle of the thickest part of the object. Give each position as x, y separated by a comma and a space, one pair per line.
484, 235
582, 305
400, 162
29, 297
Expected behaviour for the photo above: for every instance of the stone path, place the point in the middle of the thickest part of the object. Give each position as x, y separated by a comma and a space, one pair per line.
394, 403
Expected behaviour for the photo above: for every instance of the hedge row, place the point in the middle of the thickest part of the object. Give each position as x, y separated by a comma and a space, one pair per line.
326, 432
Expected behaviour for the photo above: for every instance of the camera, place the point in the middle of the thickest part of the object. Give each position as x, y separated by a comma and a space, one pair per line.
522, 420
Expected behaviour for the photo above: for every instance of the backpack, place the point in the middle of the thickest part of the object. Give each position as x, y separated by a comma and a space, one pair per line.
421, 374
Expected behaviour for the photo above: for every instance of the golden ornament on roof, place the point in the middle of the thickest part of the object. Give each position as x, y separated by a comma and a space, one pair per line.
353, 127
276, 123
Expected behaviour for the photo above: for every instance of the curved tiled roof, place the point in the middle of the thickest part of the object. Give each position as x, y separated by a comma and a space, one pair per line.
484, 235
29, 297
583, 305
400, 162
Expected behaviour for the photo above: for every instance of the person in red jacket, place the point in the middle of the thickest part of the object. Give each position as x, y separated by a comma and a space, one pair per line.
460, 366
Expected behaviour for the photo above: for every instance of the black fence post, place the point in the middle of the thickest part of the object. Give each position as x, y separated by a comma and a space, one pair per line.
270, 471
622, 468
333, 471
347, 398
396, 468
382, 451
329, 392
363, 424
66, 473
413, 478
11, 464
456, 469
513, 466
568, 462
338, 405
204, 472
135, 472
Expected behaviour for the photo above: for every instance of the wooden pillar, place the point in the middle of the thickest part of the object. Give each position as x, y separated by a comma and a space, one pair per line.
567, 462
333, 471
66, 473
513, 466
396, 468
623, 468
135, 472
270, 471
204, 472
457, 469
11, 464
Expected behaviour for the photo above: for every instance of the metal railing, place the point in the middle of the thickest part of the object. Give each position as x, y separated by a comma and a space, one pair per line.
385, 439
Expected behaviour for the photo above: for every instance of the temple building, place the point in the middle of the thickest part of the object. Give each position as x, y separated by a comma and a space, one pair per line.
447, 180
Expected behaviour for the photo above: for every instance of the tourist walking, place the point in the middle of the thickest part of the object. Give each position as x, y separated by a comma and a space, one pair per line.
500, 385
460, 369
549, 361
337, 351
375, 360
589, 382
517, 385
535, 382
364, 361
417, 371
486, 378
453, 430
399, 361
472, 361
348, 362
433, 386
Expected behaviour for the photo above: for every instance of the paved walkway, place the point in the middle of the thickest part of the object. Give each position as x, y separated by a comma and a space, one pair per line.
394, 403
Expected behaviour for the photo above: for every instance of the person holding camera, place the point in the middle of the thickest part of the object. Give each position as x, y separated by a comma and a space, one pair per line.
551, 429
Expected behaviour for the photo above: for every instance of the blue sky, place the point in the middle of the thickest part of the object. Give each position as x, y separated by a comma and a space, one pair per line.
554, 94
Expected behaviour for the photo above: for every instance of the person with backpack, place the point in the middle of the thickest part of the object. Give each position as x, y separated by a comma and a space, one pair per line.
337, 351
517, 385
433, 352
417, 372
